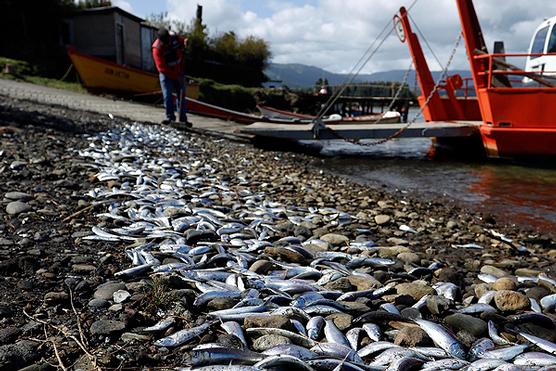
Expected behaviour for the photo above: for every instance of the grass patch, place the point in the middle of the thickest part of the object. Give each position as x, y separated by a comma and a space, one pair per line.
24, 71
157, 295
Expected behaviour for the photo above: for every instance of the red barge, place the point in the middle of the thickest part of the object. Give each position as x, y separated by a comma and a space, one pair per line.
517, 107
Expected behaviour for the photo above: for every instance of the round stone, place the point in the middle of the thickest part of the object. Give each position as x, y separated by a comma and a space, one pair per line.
510, 301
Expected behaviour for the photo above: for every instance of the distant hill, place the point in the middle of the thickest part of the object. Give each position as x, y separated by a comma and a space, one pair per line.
302, 76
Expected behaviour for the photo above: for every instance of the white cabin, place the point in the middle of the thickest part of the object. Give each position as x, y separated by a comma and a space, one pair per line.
543, 42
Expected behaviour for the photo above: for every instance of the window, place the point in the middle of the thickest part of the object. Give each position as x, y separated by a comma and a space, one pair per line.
538, 42
552, 41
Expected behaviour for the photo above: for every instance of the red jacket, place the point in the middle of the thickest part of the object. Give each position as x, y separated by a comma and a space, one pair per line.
169, 58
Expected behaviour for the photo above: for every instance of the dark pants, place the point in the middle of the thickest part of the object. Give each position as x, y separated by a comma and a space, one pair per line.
169, 87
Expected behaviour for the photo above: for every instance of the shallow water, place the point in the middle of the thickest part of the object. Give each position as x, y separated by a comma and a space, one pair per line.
524, 194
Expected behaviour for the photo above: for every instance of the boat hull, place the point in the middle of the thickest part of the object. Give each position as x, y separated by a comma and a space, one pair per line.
271, 114
102, 75
518, 122
515, 142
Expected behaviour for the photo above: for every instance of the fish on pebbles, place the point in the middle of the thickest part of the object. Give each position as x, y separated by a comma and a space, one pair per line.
295, 338
534, 359
183, 336
208, 225
442, 338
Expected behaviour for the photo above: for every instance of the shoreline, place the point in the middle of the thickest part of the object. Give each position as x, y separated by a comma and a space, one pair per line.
44, 252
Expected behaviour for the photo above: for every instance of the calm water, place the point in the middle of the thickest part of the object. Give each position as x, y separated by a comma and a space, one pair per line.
520, 194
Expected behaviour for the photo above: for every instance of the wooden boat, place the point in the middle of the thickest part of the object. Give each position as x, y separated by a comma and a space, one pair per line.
275, 114
102, 75
518, 120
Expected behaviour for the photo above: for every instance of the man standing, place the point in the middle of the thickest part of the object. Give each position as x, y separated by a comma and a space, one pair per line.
168, 55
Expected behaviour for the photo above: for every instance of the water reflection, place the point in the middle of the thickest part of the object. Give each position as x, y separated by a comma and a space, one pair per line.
520, 194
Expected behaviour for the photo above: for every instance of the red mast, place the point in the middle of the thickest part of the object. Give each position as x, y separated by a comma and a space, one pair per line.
446, 108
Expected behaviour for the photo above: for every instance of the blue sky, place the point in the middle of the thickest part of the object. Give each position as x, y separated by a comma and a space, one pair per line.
143, 8
333, 34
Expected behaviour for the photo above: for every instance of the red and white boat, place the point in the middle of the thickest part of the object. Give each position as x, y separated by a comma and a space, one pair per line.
518, 119
516, 105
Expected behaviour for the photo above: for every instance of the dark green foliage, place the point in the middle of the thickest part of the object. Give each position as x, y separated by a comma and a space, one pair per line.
32, 31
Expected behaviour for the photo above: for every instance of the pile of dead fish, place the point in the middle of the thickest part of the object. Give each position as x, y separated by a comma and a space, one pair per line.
297, 302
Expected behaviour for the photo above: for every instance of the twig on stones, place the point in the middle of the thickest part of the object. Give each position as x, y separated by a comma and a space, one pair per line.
81, 335
91, 356
60, 363
79, 212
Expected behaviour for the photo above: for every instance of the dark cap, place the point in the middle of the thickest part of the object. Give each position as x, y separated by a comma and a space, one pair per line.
163, 35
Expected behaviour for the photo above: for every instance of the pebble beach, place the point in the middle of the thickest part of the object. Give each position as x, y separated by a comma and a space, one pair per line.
126, 245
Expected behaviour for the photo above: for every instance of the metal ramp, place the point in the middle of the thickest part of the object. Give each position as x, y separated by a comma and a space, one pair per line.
438, 129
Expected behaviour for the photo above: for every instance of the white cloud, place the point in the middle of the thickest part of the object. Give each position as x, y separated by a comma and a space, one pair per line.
334, 34
125, 5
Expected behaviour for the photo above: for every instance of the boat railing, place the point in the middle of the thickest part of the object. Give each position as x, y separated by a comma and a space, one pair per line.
496, 67
464, 89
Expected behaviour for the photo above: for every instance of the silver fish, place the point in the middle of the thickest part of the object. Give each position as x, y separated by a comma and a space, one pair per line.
334, 335
291, 350
373, 331
376, 347
295, 338
445, 364
485, 364
183, 336
442, 338
283, 362
479, 348
535, 359
353, 336
161, 325
493, 333
540, 342
506, 353
548, 302
224, 355
337, 351
314, 327
234, 328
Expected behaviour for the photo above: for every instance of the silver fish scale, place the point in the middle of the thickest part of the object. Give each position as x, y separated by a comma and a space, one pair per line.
168, 200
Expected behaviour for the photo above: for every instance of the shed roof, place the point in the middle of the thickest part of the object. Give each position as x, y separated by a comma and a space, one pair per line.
108, 10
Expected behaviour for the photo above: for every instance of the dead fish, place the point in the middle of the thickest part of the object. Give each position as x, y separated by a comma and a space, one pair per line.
291, 350
224, 355
315, 326
295, 338
337, 351
334, 335
373, 331
442, 338
485, 364
506, 353
479, 347
548, 302
406, 228
161, 325
473, 246
283, 362
445, 364
540, 342
234, 328
353, 336
535, 359
183, 336
493, 333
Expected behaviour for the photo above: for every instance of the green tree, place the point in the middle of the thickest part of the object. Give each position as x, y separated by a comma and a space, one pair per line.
160, 20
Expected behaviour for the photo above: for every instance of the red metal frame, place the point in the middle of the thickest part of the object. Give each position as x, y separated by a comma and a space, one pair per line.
450, 107
517, 121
